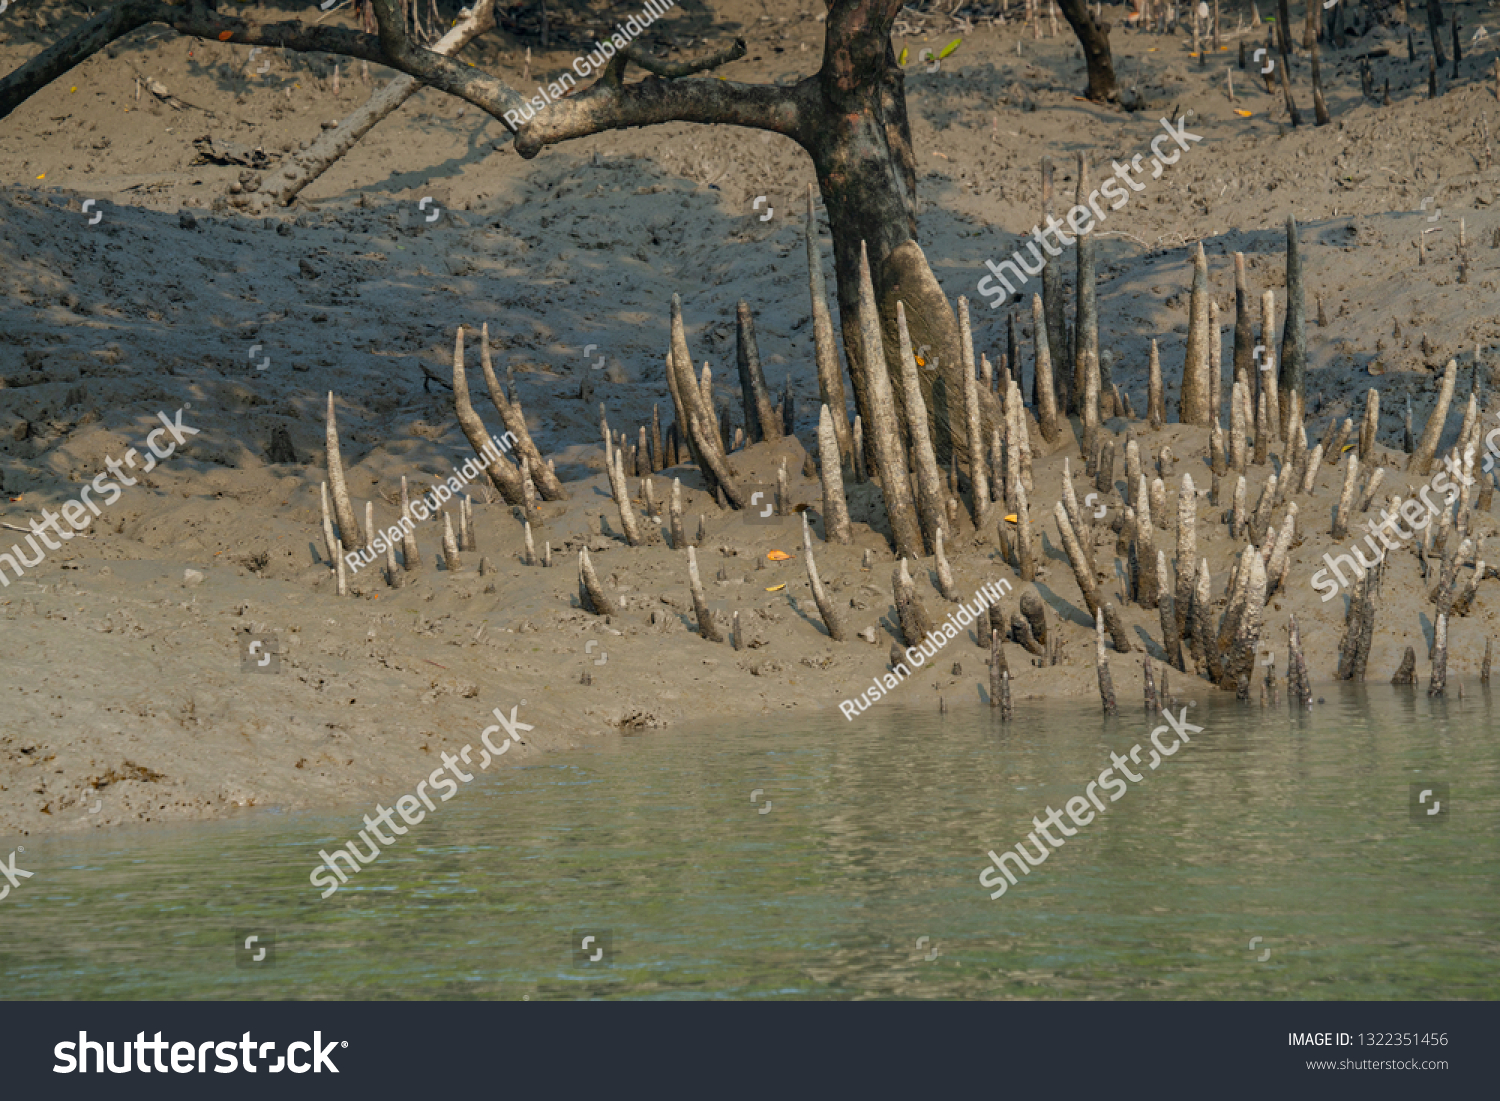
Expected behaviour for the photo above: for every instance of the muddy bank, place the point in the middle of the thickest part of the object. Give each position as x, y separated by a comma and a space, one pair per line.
126, 686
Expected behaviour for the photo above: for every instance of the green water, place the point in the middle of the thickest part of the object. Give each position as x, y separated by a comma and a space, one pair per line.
1294, 829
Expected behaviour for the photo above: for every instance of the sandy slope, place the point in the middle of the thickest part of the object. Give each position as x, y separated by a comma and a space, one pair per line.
124, 680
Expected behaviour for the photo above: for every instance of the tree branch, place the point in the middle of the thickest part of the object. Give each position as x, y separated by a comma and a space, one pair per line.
110, 24
672, 70
196, 20
283, 185
609, 105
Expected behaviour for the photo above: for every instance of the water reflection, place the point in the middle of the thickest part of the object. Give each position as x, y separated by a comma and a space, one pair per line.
1294, 828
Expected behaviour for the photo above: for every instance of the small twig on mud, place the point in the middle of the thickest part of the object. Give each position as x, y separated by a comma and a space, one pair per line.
434, 378
1122, 233
1180, 240
338, 7
28, 531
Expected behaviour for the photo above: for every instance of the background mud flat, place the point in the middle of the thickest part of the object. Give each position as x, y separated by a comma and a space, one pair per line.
124, 683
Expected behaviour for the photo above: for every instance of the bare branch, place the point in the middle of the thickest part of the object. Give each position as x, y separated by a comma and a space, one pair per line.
297, 171
609, 104
672, 70
613, 106
110, 24
445, 74
197, 20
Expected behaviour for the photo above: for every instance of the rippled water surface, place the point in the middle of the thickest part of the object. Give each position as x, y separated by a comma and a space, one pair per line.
1294, 829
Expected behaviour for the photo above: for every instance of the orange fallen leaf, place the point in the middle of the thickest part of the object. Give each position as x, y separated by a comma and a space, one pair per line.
778, 556
225, 36
1242, 114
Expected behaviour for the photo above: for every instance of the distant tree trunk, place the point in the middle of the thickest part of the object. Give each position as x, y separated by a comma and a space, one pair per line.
1284, 26
1094, 38
1435, 28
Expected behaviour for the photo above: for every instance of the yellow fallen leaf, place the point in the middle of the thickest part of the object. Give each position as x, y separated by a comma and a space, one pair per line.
902, 59
1242, 114
43, 176
1012, 519
1346, 447
776, 588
